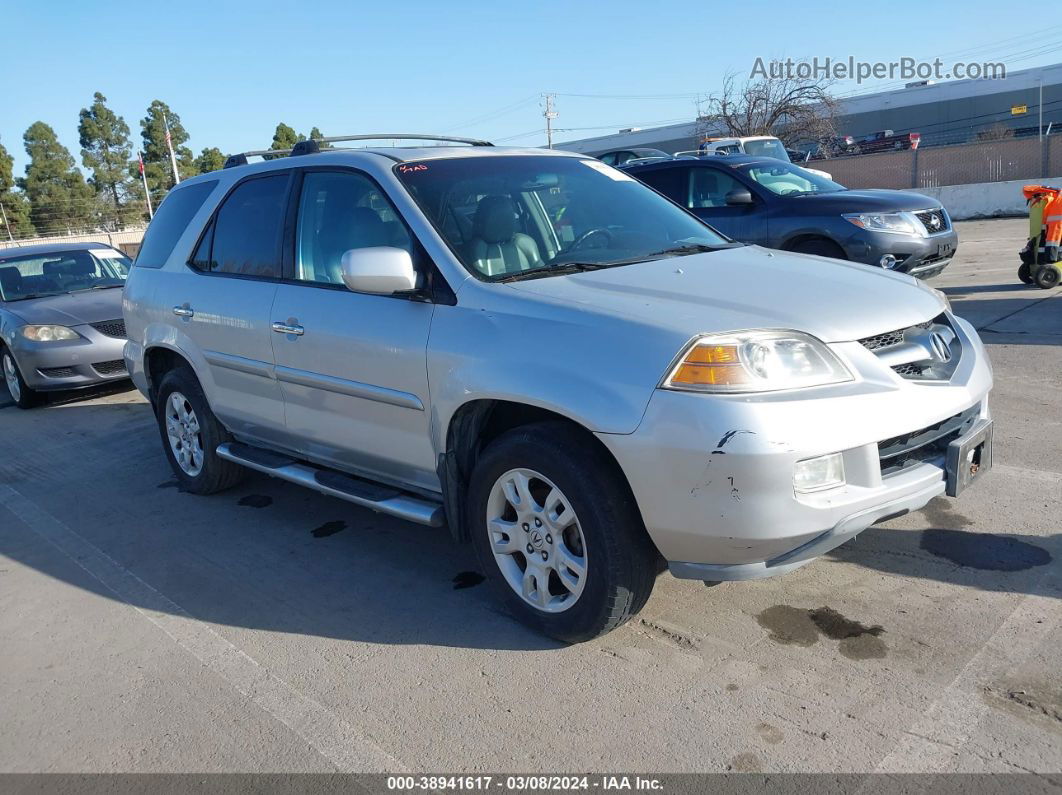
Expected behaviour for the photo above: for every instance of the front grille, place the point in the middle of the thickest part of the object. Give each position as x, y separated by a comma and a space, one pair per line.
111, 328
912, 353
933, 220
925, 444
57, 372
113, 367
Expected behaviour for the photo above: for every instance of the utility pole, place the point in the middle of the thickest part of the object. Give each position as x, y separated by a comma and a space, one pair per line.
6, 224
169, 145
1040, 123
550, 114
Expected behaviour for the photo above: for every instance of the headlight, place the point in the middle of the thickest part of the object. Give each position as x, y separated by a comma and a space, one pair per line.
756, 361
900, 223
48, 333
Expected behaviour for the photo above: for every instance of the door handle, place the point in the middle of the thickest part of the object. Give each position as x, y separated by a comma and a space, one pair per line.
288, 328
183, 311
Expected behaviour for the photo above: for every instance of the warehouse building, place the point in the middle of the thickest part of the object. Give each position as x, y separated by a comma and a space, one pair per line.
947, 112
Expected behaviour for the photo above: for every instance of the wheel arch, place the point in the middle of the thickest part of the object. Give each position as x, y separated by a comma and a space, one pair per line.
473, 426
159, 360
792, 242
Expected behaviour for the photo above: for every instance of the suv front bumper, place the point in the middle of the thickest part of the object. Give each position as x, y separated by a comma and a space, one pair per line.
713, 474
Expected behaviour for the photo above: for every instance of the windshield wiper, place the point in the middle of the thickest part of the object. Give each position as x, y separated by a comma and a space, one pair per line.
550, 270
103, 286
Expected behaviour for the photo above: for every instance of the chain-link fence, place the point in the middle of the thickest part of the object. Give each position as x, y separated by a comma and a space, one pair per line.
960, 164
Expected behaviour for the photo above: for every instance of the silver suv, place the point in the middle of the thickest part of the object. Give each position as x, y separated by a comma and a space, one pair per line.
552, 360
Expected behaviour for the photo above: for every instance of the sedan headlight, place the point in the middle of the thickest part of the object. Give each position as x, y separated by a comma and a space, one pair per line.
48, 333
900, 223
756, 361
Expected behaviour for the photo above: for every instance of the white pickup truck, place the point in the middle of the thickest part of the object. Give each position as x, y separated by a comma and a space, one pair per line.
757, 145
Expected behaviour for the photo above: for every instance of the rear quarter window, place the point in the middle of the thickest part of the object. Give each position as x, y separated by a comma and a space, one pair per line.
174, 214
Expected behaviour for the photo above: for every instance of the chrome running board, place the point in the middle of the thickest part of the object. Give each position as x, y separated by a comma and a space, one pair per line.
365, 493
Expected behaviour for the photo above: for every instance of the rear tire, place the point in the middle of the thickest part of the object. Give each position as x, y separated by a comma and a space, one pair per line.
191, 435
23, 396
577, 515
1048, 276
1024, 273
820, 248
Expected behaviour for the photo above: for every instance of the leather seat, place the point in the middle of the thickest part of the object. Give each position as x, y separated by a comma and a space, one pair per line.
10, 282
497, 247
342, 228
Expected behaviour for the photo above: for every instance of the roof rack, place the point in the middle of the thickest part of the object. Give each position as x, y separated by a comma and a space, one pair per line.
312, 145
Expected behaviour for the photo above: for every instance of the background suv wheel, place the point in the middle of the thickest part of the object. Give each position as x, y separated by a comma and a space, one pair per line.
191, 435
558, 533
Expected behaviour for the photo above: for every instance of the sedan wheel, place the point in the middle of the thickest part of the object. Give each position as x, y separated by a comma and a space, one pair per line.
11, 377
537, 541
184, 434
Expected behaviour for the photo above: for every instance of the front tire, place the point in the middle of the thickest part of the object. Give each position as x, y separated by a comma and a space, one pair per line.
558, 533
23, 395
820, 248
191, 435
1025, 274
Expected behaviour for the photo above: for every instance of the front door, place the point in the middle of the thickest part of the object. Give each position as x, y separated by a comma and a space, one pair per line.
352, 366
706, 198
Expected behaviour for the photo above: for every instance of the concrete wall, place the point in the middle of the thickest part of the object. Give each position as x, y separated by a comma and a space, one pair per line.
985, 199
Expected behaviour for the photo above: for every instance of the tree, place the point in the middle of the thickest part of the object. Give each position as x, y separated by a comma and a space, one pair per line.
15, 207
284, 138
783, 104
157, 155
210, 159
317, 135
60, 199
996, 132
106, 150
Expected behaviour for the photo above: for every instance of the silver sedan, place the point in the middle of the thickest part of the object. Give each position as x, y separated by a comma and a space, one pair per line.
61, 321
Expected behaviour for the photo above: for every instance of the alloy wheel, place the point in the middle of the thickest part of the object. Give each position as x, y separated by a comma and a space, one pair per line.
184, 434
536, 540
11, 377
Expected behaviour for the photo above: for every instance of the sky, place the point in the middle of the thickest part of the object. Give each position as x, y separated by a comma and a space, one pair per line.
232, 70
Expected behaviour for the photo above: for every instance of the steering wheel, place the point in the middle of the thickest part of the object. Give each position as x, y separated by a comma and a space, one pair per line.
589, 233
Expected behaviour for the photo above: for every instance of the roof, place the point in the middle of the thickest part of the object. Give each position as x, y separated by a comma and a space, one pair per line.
732, 161
52, 248
398, 154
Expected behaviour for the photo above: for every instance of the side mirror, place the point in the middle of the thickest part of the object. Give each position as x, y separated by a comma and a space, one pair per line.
738, 196
380, 270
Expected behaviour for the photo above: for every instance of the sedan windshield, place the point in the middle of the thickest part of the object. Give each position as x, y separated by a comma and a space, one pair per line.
38, 275
517, 216
785, 179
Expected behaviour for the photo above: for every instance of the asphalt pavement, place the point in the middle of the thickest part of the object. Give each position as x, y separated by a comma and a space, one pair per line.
270, 628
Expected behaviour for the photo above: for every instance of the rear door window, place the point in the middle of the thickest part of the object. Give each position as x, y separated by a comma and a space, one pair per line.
247, 230
170, 222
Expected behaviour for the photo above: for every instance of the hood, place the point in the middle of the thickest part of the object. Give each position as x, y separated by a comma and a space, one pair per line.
70, 309
750, 287
859, 201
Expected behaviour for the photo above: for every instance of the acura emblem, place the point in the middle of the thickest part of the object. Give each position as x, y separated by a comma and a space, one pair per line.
941, 348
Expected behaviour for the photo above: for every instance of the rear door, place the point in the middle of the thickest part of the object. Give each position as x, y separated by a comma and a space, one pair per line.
224, 305
354, 372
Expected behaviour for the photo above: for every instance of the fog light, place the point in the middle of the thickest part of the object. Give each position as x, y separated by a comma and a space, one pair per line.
817, 474
888, 262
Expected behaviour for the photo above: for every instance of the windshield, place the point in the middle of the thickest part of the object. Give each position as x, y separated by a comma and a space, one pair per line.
37, 275
767, 147
513, 214
785, 179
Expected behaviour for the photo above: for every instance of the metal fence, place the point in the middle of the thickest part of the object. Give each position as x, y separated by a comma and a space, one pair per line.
128, 240
960, 164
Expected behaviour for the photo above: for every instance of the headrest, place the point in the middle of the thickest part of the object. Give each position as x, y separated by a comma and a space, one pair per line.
70, 267
495, 220
11, 279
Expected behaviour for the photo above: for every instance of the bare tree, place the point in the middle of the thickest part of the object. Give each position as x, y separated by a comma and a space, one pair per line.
997, 132
792, 108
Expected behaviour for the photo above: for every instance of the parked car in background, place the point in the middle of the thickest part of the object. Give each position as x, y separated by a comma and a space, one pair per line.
61, 321
779, 205
885, 141
619, 157
542, 353
756, 145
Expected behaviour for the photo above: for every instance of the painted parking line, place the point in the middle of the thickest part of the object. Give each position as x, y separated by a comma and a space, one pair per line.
330, 735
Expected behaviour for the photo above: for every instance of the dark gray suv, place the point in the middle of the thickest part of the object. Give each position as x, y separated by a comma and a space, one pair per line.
780, 205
